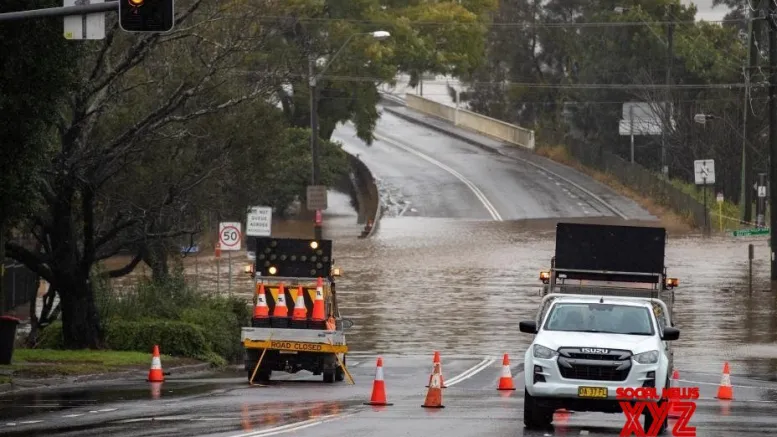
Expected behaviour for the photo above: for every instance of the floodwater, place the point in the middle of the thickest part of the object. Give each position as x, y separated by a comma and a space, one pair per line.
461, 287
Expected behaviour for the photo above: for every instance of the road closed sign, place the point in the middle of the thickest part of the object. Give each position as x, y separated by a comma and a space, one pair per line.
230, 236
259, 221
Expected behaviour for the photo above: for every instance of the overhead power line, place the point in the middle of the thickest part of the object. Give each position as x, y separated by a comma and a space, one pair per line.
623, 86
523, 24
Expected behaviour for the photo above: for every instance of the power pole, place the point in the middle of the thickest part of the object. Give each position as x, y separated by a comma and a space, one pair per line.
667, 110
746, 189
770, 17
314, 152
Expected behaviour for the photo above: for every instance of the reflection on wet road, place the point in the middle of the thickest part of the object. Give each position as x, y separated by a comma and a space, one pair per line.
425, 282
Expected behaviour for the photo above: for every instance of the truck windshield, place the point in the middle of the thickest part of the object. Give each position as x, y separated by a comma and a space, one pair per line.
600, 317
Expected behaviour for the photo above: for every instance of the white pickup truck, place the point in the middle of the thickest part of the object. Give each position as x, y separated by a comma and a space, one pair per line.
596, 331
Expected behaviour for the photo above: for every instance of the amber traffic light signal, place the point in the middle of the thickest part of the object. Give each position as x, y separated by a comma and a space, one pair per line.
146, 15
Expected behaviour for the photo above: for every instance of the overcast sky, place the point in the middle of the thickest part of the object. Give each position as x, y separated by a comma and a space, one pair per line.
706, 12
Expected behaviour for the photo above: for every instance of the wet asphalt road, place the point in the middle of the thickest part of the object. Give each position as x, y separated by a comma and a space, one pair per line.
226, 406
429, 174
427, 281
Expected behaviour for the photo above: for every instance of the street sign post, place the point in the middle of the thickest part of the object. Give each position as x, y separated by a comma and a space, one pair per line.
720, 200
230, 238
317, 198
259, 222
89, 26
751, 232
704, 172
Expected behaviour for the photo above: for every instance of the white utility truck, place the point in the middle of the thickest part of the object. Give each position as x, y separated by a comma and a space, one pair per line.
604, 322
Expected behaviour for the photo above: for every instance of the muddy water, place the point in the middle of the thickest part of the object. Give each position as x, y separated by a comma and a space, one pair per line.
461, 287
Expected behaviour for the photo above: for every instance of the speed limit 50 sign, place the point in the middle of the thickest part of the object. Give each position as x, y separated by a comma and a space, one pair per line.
230, 235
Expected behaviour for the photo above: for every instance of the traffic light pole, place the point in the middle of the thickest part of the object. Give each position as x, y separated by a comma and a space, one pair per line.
772, 133
65, 11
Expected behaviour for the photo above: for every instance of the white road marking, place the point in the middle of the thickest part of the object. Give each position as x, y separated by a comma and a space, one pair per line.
107, 410
30, 422
479, 194
72, 415
717, 383
469, 373
294, 426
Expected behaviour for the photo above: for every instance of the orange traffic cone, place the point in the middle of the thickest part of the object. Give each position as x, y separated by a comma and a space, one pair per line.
436, 360
674, 412
506, 381
261, 310
280, 307
725, 390
378, 397
300, 311
434, 395
155, 374
318, 302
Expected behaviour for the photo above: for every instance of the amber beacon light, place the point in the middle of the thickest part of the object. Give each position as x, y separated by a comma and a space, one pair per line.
146, 15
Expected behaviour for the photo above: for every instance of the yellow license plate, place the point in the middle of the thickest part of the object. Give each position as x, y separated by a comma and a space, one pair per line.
592, 392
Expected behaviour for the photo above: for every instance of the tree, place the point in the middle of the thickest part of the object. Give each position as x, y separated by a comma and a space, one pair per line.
563, 77
437, 37
136, 90
37, 72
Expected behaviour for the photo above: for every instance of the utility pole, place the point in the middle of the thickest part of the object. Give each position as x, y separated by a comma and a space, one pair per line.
772, 132
667, 110
746, 191
317, 231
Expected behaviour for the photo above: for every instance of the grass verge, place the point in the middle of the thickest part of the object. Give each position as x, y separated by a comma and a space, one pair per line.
45, 363
182, 320
669, 219
723, 217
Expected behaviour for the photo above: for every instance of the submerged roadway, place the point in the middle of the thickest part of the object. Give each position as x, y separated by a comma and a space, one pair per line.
452, 268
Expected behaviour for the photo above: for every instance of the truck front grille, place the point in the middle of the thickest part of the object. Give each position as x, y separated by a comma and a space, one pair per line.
609, 365
594, 373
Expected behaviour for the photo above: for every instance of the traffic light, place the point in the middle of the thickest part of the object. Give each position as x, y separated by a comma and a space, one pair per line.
146, 15
293, 257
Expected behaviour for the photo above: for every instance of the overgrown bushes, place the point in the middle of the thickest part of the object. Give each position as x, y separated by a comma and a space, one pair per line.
177, 317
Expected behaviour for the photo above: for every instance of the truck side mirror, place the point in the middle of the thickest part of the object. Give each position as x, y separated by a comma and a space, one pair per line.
529, 327
671, 334
347, 323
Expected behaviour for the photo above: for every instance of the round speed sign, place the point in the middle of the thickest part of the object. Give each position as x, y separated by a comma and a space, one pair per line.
229, 236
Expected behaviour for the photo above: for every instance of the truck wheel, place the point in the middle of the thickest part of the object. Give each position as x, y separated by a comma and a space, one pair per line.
339, 373
535, 417
329, 376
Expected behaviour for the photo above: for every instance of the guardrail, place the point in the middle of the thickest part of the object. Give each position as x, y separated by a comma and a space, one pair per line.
473, 121
371, 198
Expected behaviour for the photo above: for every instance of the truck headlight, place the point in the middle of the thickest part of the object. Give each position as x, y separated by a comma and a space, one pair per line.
649, 357
540, 351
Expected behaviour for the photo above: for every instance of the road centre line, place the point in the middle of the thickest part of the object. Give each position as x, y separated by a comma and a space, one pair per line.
475, 190
469, 373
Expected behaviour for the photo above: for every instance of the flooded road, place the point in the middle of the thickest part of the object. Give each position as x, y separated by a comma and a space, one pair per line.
459, 285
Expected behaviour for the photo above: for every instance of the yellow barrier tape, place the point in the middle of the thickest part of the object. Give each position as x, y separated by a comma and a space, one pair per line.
297, 346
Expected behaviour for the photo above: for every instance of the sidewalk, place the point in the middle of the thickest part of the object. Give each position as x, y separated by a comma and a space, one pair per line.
624, 207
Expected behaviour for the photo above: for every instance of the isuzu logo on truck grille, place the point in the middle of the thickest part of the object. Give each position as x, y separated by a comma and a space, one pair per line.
591, 350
